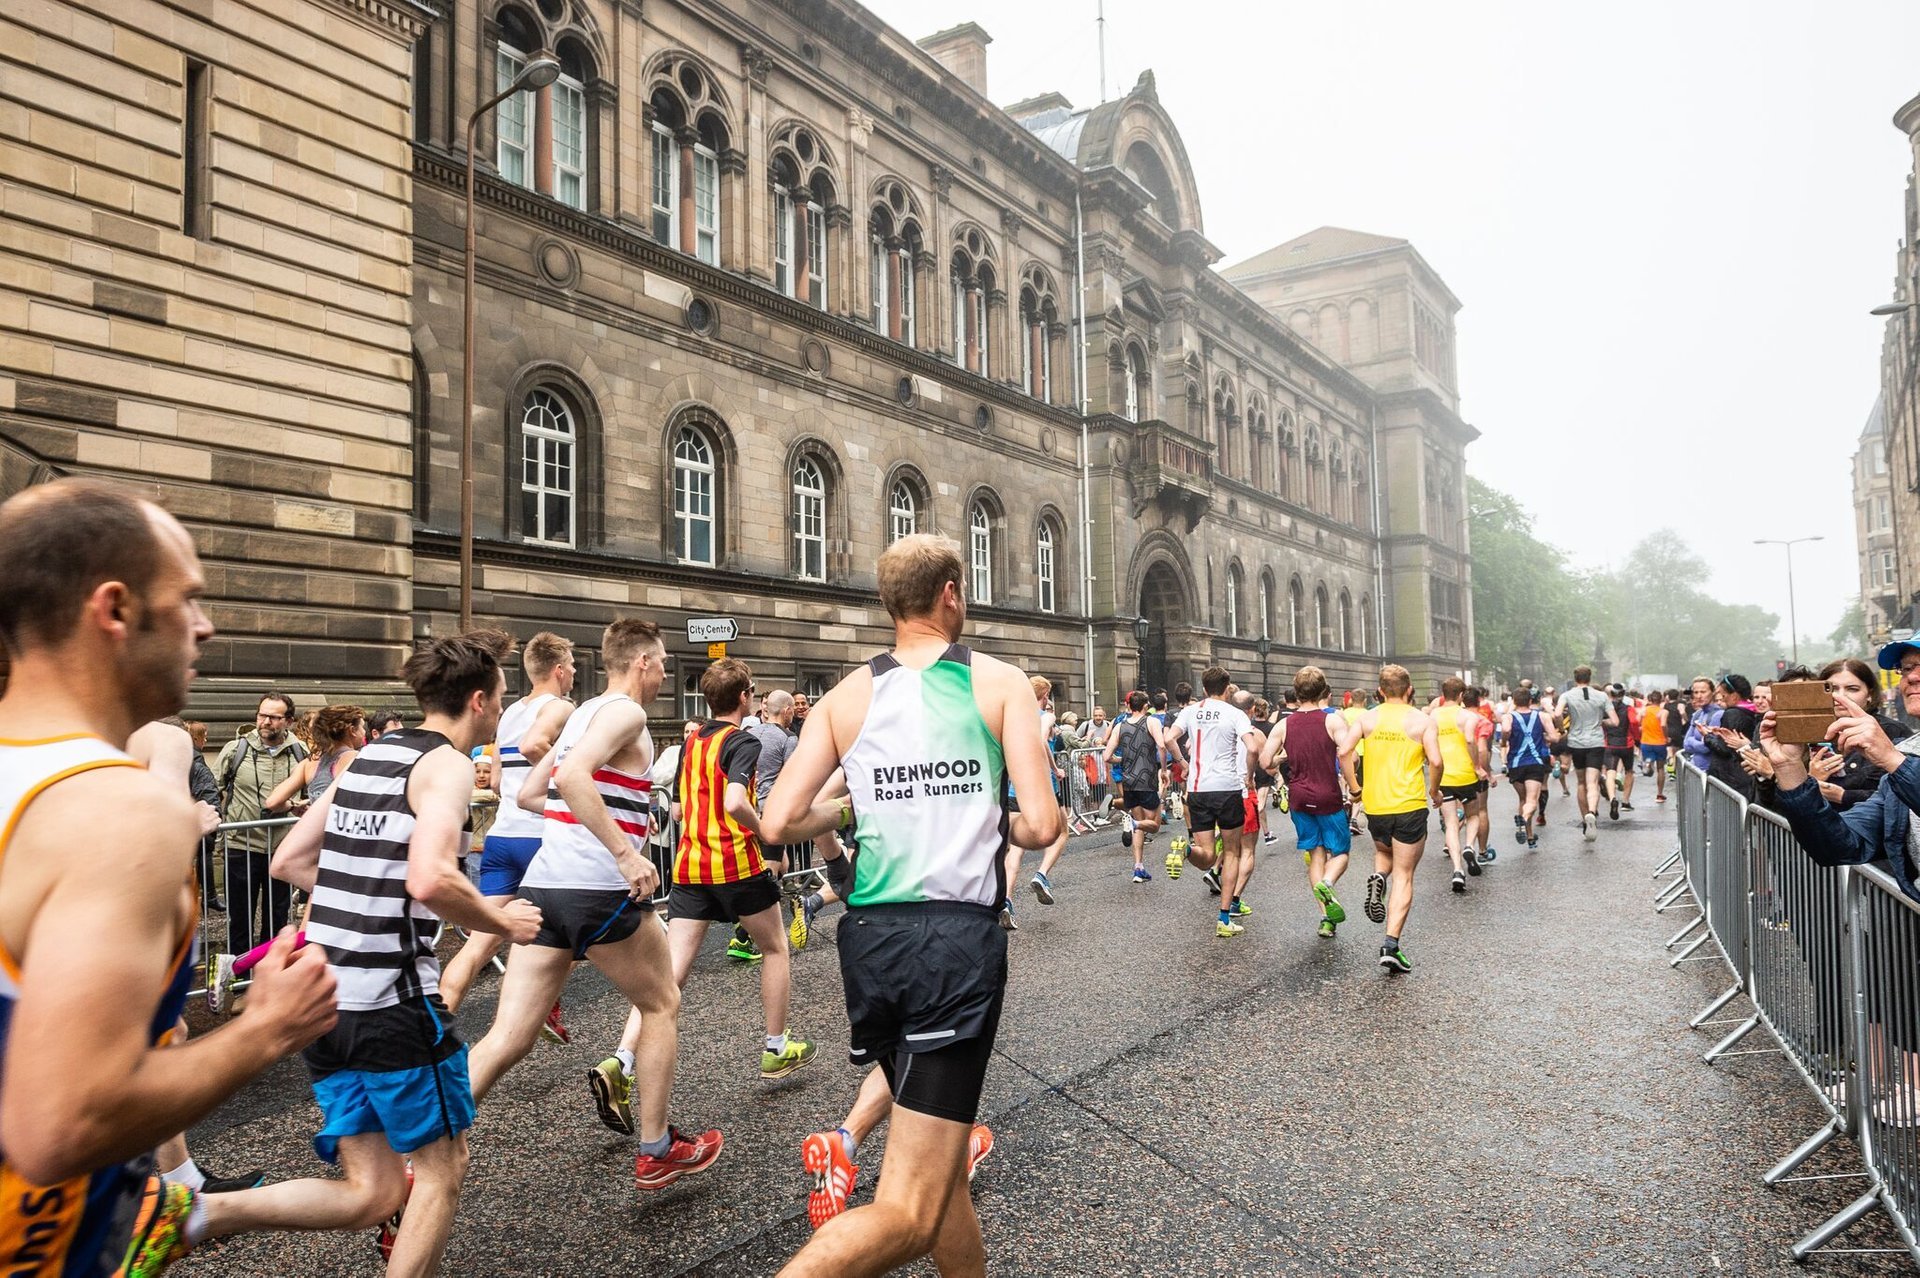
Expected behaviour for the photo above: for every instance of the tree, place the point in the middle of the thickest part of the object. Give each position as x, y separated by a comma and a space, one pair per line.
1849, 637
1523, 591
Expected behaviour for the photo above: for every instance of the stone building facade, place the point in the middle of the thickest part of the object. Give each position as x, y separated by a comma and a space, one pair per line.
1900, 392
759, 287
1873, 527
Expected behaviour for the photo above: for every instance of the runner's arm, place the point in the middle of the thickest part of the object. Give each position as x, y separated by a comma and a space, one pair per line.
533, 791
545, 730
168, 753
797, 809
297, 858
1275, 747
741, 762
617, 724
84, 1087
289, 790
1037, 823
1429, 737
439, 791
1355, 733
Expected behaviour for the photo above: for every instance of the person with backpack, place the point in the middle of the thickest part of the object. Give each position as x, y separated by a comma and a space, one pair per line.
251, 767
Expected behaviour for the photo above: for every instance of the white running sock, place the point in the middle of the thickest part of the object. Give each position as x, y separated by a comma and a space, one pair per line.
626, 1061
188, 1174
196, 1229
776, 1043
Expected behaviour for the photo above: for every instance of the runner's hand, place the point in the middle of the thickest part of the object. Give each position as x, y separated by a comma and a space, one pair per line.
640, 875
1858, 730
523, 921
292, 994
209, 817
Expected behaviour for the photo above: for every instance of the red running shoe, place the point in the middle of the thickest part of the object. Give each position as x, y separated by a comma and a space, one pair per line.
555, 1030
685, 1155
824, 1155
391, 1229
979, 1145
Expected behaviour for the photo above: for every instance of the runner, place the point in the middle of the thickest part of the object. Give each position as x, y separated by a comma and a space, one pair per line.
1463, 777
1138, 742
594, 882
1394, 795
100, 614
923, 963
1653, 742
1585, 715
1263, 778
1042, 885
1562, 752
1486, 753
1622, 735
1223, 738
380, 855
527, 731
1530, 734
1308, 744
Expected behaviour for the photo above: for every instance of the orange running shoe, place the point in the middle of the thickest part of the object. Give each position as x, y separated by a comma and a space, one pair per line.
824, 1155
979, 1145
685, 1155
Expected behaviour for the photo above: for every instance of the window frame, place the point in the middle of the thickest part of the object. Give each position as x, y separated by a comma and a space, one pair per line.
564, 87
706, 220
516, 115
809, 515
1233, 601
540, 438
666, 170
1046, 592
686, 519
902, 486
979, 553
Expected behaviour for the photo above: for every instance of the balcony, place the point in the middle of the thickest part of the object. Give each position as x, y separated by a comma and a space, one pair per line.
1172, 469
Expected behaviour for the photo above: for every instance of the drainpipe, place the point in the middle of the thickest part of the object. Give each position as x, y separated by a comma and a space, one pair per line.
1080, 398
1379, 534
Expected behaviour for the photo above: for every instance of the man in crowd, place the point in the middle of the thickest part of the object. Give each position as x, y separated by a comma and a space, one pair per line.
1622, 737
1587, 715
1137, 741
1222, 739
1402, 777
250, 768
1309, 742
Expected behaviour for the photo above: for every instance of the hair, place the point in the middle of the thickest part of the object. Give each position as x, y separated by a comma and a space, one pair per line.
1214, 680
1738, 685
778, 702
384, 718
1861, 671
1310, 684
1453, 687
914, 572
1261, 709
445, 673
1041, 686
1522, 697
1395, 681
1470, 697
724, 684
1242, 699
1136, 702
1583, 674
544, 654
1160, 700
1709, 680
282, 698
623, 641
195, 729
333, 725
1800, 674
59, 542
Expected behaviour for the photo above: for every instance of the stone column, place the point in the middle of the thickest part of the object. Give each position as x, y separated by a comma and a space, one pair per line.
683, 139
543, 140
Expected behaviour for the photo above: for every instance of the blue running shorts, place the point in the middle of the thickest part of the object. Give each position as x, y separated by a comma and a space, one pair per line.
503, 863
1331, 832
413, 1107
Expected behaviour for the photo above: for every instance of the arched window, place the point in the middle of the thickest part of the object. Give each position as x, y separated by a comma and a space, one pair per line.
903, 511
1266, 605
809, 520
1233, 601
1296, 614
1043, 565
1367, 639
693, 496
560, 115
894, 248
802, 193
1037, 316
972, 278
1136, 375
548, 438
1143, 165
1322, 617
689, 133
1346, 622
980, 552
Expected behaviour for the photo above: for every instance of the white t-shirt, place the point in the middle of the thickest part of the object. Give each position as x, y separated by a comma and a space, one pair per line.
1214, 732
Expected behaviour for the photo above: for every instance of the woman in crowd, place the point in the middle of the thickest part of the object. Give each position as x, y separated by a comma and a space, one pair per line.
1738, 730
337, 735
1854, 777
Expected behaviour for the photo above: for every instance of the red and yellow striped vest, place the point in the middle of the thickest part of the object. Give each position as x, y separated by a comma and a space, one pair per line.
714, 848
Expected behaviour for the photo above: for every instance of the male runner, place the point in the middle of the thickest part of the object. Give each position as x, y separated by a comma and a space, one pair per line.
527, 731
594, 882
1622, 736
1042, 885
1138, 741
1463, 776
100, 616
1308, 743
1585, 716
1653, 742
1223, 737
1562, 752
1394, 795
1530, 735
928, 735
379, 853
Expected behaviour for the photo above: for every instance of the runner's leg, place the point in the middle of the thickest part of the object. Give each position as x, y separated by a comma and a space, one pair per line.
926, 1167
372, 1187
535, 976
1404, 858
641, 969
1450, 823
438, 1170
464, 966
776, 967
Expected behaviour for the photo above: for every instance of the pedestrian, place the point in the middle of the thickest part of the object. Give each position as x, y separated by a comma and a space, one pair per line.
1737, 730
1706, 714
384, 721
250, 768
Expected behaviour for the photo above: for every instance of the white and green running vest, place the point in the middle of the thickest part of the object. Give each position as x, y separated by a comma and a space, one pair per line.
927, 781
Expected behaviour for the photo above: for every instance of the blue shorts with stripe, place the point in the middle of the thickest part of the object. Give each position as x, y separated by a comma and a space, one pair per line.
503, 863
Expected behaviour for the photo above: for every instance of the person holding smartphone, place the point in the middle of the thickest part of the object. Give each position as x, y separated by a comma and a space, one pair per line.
1849, 777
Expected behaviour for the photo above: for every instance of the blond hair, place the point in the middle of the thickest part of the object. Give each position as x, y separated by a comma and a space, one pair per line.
623, 641
1395, 681
914, 571
544, 653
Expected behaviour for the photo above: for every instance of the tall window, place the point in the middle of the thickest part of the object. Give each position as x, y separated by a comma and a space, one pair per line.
980, 552
1137, 383
903, 512
673, 157
692, 704
800, 245
513, 119
1882, 512
666, 186
547, 469
783, 272
1266, 606
1043, 563
570, 142
958, 281
1322, 619
1296, 614
1367, 640
810, 519
879, 283
693, 486
817, 254
1233, 601
1346, 622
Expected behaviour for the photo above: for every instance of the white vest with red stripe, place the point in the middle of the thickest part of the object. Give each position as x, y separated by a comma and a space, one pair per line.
570, 856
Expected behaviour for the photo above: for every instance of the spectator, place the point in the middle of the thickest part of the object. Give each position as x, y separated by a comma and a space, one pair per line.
383, 722
1706, 715
776, 713
205, 788
338, 733
800, 707
1855, 778
1737, 730
250, 768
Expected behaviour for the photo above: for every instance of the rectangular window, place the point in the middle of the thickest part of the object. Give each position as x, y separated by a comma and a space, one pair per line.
666, 187
959, 321
706, 206
817, 256
546, 488
1879, 453
1882, 513
570, 143
194, 217
783, 242
695, 506
980, 328
810, 534
512, 121
877, 291
906, 298
692, 704
1044, 565
1886, 569
1046, 365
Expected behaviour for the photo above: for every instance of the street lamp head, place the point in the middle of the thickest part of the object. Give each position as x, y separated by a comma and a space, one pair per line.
1142, 628
1263, 646
537, 74
1894, 308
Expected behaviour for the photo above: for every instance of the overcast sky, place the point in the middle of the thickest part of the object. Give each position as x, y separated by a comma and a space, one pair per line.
1665, 221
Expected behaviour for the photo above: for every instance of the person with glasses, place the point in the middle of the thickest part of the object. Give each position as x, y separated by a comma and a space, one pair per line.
250, 768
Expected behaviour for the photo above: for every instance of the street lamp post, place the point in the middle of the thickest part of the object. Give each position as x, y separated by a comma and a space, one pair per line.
1264, 646
1793, 620
537, 74
1142, 631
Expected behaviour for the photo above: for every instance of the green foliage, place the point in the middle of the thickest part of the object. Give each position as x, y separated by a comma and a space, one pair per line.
1523, 592
1850, 636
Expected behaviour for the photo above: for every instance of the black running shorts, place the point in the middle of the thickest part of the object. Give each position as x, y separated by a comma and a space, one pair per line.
1401, 827
1619, 756
724, 902
1596, 758
1464, 793
1145, 800
1216, 810
575, 919
925, 979
1526, 772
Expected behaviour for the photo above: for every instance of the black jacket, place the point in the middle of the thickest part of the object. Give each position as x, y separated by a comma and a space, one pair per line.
1723, 763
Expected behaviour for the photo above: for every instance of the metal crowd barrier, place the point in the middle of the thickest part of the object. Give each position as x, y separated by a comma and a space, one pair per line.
1831, 961
1089, 794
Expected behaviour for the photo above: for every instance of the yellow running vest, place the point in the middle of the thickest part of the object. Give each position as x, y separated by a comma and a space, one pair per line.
1395, 781
1456, 752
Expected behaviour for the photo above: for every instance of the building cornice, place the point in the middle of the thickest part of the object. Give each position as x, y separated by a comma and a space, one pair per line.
408, 19
1433, 409
1907, 118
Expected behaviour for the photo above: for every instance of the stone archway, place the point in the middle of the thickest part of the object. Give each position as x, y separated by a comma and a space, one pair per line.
1163, 602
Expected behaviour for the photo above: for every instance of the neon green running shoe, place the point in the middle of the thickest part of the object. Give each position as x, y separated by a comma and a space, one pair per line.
779, 1064
1330, 904
159, 1229
1176, 857
1228, 929
1241, 909
797, 931
1326, 928
745, 951
612, 1094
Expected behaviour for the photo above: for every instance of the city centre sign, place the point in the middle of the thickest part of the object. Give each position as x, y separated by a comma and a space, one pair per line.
712, 629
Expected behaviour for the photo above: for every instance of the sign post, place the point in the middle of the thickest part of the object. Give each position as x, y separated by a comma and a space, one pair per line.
712, 629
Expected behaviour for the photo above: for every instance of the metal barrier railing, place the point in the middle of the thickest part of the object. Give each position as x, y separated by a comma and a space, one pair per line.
1831, 961
1088, 794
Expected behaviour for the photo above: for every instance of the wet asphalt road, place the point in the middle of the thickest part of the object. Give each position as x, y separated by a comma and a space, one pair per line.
1528, 1101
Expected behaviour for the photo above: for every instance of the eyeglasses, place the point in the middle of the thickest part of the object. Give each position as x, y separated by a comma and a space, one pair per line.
272, 718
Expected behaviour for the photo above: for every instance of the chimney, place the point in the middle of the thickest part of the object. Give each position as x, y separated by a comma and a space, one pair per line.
963, 51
